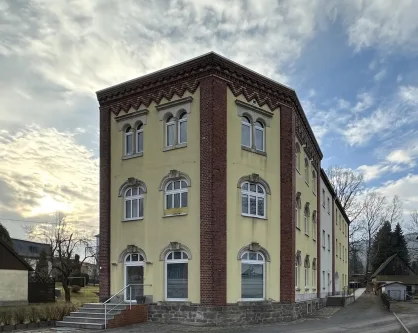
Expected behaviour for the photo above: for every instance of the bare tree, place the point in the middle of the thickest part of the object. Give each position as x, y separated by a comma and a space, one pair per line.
372, 217
393, 212
348, 186
66, 244
414, 222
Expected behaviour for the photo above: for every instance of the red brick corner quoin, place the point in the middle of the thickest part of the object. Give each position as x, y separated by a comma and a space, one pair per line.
213, 194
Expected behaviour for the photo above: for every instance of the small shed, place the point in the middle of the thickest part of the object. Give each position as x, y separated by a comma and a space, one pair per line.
13, 276
395, 290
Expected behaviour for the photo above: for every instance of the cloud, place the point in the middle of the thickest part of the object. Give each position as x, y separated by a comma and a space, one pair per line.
400, 156
388, 25
409, 94
44, 170
405, 188
380, 75
365, 101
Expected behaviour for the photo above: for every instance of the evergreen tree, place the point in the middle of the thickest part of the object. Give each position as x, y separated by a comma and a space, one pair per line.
4, 235
399, 244
355, 264
42, 265
382, 246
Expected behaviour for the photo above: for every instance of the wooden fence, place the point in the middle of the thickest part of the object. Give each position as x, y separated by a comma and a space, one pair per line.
41, 289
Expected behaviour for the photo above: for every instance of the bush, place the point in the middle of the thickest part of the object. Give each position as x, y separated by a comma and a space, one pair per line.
47, 313
75, 288
56, 313
385, 300
19, 315
33, 314
6, 317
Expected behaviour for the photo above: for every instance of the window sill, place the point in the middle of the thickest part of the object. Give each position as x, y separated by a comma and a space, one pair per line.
254, 216
323, 288
323, 247
307, 289
178, 146
253, 150
175, 214
328, 250
314, 239
298, 171
297, 289
307, 184
133, 220
313, 193
313, 289
297, 228
306, 234
128, 157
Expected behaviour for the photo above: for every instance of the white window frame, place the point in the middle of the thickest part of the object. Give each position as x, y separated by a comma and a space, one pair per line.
313, 278
249, 125
323, 238
297, 153
297, 214
328, 205
172, 122
306, 216
182, 119
139, 197
323, 198
175, 261
139, 130
329, 242
261, 129
306, 277
130, 264
255, 262
314, 181
173, 192
306, 171
313, 227
128, 135
296, 274
255, 194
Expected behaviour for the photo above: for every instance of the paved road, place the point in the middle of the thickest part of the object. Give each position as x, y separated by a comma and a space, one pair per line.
407, 313
366, 315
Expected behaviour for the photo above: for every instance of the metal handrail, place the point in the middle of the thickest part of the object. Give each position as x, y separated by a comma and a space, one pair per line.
130, 298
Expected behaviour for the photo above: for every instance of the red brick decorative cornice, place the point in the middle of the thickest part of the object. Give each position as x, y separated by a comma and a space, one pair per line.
178, 79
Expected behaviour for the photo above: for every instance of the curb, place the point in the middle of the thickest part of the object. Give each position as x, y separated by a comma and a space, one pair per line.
406, 330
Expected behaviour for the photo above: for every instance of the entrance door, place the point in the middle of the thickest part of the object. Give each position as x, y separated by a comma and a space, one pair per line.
134, 276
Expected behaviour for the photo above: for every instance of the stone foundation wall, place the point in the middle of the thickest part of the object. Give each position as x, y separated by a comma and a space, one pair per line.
234, 314
136, 315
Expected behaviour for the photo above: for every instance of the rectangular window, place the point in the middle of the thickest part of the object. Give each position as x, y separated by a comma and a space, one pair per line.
296, 275
340, 250
139, 142
129, 144
259, 139
336, 247
329, 243
313, 278
246, 134
177, 280
323, 239
306, 225
328, 207
313, 230
252, 277
170, 134
183, 132
323, 198
306, 277
323, 279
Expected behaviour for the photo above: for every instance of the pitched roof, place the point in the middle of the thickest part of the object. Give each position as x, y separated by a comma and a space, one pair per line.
383, 265
14, 254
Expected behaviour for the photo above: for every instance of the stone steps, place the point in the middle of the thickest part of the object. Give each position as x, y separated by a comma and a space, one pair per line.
92, 316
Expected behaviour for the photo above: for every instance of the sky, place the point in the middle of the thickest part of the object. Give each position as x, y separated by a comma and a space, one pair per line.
353, 64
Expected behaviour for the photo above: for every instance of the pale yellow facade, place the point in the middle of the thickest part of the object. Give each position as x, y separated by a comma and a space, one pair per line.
243, 230
155, 231
341, 250
13, 286
306, 238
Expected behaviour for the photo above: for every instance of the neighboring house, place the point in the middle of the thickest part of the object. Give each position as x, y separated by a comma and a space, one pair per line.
395, 290
13, 277
394, 269
30, 251
210, 190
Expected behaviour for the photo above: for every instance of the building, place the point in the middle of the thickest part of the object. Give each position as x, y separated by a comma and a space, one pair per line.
13, 276
395, 269
327, 238
209, 189
395, 290
30, 251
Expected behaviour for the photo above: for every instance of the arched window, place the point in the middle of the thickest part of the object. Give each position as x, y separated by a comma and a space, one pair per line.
253, 199
134, 203
134, 276
314, 181
297, 156
307, 171
252, 276
297, 211
129, 144
170, 125
259, 136
177, 276
176, 194
306, 219
140, 138
246, 132
182, 128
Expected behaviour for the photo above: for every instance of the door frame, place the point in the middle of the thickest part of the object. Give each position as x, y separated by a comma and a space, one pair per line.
125, 269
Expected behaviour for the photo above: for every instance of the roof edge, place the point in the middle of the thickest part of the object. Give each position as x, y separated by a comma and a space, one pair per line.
14, 253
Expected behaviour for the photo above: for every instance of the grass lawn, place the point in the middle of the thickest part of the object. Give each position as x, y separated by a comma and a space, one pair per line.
85, 295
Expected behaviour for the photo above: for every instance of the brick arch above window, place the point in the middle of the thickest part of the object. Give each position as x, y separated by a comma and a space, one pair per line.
254, 178
254, 247
131, 182
174, 175
175, 246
